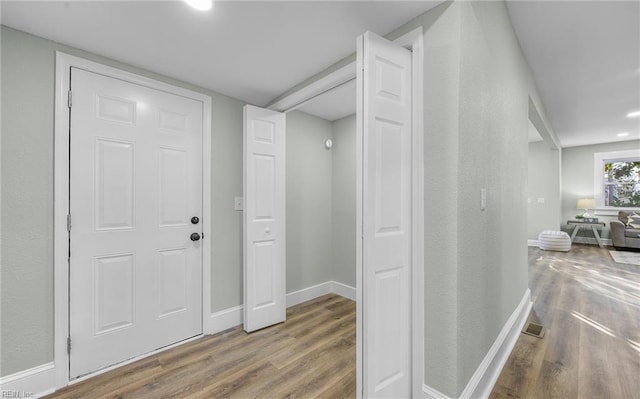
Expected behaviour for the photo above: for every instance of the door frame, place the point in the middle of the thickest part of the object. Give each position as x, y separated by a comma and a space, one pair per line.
61, 198
413, 41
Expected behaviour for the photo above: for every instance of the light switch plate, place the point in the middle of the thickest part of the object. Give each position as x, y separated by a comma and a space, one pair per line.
540, 200
238, 203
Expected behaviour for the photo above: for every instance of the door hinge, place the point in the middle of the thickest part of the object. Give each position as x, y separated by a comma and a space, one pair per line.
68, 345
69, 222
69, 98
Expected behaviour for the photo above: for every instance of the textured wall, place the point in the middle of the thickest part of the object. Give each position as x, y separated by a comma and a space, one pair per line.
577, 178
495, 86
477, 87
27, 202
344, 200
28, 65
543, 181
441, 29
309, 252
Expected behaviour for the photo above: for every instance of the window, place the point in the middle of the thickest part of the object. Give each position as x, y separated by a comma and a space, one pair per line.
622, 184
617, 180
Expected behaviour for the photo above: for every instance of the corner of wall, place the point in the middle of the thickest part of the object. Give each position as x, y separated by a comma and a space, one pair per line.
442, 52
34, 382
487, 373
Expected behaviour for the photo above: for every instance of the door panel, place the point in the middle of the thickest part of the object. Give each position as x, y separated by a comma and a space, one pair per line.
114, 292
135, 182
114, 194
264, 213
386, 213
174, 175
173, 278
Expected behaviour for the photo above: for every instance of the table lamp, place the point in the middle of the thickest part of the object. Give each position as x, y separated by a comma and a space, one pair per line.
586, 204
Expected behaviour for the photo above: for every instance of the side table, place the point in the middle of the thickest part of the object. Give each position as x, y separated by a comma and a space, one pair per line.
578, 225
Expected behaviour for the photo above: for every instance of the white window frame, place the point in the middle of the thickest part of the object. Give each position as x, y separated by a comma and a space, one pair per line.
599, 159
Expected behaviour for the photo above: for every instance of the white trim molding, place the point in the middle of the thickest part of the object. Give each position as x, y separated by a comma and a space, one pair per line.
413, 41
232, 317
42, 380
343, 290
487, 373
599, 159
64, 63
432, 393
224, 319
300, 97
309, 293
34, 382
318, 290
532, 243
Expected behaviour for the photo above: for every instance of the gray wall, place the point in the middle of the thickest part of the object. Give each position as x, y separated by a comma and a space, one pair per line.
344, 200
321, 204
309, 227
577, 179
28, 65
543, 183
477, 87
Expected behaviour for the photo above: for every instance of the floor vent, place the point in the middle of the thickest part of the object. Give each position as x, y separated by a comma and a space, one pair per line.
534, 329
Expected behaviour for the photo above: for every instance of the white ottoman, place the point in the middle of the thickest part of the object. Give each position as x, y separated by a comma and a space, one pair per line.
551, 240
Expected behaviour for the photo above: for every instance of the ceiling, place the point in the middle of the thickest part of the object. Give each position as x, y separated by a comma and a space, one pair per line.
333, 104
252, 51
585, 55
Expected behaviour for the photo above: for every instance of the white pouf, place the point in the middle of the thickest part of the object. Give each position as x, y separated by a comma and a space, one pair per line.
551, 240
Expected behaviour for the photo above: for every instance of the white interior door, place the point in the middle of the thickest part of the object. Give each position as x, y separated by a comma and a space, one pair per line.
264, 218
135, 184
385, 100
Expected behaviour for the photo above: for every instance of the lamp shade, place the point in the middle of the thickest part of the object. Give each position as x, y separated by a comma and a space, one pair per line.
586, 203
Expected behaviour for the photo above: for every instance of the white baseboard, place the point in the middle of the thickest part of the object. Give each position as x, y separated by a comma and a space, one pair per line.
532, 243
432, 393
343, 290
224, 319
487, 373
228, 318
34, 382
309, 293
40, 380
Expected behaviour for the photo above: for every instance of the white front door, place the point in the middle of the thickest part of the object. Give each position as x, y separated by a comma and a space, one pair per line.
135, 185
385, 100
264, 218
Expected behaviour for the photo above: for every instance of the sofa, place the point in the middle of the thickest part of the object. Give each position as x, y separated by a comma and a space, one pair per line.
624, 236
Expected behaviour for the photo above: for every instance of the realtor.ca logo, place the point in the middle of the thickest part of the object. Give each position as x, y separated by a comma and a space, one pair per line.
16, 394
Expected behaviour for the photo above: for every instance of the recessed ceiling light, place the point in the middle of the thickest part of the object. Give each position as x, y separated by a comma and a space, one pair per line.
634, 114
623, 134
202, 5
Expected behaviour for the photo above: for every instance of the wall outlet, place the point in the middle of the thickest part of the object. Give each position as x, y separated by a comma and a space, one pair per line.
238, 203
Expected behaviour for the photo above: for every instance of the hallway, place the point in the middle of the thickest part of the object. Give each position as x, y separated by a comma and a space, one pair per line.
590, 308
311, 355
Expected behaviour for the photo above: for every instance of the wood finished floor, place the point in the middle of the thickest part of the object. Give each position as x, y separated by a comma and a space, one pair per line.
590, 307
311, 355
